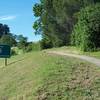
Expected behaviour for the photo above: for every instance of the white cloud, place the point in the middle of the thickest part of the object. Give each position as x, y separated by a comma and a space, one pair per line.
5, 18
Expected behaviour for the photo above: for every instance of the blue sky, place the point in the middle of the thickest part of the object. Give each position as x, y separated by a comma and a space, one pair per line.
18, 15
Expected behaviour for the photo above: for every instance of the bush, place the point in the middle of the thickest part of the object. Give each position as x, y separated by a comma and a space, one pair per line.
29, 48
46, 44
13, 52
16, 51
86, 33
33, 47
53, 41
36, 46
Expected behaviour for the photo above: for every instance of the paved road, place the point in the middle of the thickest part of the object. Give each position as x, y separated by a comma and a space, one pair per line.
83, 57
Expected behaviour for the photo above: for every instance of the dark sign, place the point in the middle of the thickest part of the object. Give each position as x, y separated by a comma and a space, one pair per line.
5, 51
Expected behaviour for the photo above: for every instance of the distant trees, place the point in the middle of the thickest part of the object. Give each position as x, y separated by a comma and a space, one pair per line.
5, 36
22, 42
19, 43
10, 39
4, 29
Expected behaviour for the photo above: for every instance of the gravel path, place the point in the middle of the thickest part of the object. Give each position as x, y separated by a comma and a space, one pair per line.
83, 57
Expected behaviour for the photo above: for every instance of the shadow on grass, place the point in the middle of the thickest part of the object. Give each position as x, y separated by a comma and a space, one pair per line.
15, 61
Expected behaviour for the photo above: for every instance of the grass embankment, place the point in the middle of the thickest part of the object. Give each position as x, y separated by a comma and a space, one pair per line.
39, 76
74, 50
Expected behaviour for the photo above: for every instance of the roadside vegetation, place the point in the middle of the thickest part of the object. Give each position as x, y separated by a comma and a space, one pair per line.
40, 76
75, 50
68, 22
70, 26
19, 44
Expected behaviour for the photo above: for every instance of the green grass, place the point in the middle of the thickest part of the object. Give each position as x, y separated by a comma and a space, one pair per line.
67, 49
39, 76
74, 50
93, 54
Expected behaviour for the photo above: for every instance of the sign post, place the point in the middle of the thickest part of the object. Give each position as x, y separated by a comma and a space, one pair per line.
5, 61
5, 52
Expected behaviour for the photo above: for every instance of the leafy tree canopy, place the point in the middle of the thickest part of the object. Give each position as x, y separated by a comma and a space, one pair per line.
86, 33
55, 19
5, 36
4, 29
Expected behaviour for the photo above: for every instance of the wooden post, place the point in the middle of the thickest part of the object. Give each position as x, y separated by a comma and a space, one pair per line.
5, 61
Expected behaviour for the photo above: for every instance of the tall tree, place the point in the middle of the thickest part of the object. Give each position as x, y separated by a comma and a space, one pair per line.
5, 36
55, 19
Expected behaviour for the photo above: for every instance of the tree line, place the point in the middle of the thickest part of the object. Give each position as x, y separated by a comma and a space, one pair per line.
19, 41
60, 23
5, 36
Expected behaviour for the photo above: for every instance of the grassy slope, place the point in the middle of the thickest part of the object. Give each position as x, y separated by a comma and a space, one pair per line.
38, 76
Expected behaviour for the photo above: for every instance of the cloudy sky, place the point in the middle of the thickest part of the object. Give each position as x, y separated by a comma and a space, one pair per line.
18, 15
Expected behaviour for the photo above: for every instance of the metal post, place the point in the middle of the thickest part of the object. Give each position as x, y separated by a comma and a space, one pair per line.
5, 61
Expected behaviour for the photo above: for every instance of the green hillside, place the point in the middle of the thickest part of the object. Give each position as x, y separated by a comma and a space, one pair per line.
41, 76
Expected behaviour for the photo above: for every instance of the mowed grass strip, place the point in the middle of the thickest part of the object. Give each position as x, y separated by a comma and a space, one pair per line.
39, 76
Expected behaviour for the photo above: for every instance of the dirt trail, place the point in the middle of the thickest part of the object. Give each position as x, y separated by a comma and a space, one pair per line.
83, 57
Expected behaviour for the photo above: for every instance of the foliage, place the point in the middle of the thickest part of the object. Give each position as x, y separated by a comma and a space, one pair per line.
13, 52
55, 20
52, 23
22, 42
5, 36
46, 43
86, 34
26, 46
34, 46
8, 39
39, 76
37, 9
16, 51
4, 29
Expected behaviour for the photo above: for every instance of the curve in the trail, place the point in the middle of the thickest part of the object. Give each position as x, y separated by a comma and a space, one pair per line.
83, 57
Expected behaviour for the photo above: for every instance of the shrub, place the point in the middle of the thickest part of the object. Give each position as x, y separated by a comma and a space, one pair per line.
13, 52
46, 43
86, 33
16, 51
29, 48
35, 46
